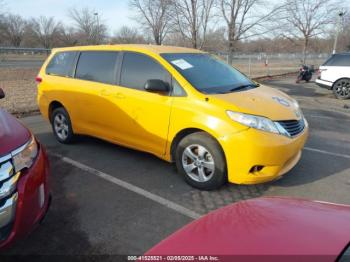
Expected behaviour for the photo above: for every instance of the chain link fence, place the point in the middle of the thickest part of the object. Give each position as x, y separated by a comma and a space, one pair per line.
264, 64
252, 64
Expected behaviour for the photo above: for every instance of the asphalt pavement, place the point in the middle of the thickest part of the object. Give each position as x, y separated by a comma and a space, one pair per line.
112, 200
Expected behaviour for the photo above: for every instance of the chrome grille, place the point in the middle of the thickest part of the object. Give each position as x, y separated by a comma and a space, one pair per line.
293, 127
8, 194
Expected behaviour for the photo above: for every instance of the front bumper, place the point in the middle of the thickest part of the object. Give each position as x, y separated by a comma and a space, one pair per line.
254, 156
27, 203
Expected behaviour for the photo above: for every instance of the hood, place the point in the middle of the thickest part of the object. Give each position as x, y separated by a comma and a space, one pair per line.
262, 101
12, 133
264, 226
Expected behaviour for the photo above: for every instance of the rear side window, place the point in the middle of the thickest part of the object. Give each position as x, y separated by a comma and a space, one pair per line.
138, 68
338, 60
62, 64
97, 66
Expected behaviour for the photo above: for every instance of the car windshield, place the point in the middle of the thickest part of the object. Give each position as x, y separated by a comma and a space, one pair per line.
208, 74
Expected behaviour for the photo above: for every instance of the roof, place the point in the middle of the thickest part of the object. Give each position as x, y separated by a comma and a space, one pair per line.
345, 53
264, 226
158, 49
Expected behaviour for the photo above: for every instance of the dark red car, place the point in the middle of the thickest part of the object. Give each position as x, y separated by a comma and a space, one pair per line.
24, 180
267, 229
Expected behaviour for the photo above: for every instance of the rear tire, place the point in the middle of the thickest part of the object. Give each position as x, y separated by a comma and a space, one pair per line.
200, 159
62, 126
341, 88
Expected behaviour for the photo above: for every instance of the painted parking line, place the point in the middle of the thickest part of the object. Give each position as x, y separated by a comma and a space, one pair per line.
160, 200
326, 152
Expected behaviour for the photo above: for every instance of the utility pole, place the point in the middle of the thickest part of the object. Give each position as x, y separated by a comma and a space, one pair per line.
340, 15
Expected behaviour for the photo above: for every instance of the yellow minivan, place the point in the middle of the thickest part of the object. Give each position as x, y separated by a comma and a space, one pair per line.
182, 105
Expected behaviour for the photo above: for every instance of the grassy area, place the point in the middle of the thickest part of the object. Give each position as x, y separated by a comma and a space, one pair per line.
22, 57
20, 89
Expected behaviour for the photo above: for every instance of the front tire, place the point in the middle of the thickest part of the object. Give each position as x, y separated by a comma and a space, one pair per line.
62, 126
200, 159
341, 88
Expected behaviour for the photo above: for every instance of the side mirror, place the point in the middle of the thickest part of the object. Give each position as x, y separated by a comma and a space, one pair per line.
2, 94
156, 85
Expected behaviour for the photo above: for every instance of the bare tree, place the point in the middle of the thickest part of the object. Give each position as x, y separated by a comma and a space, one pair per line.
245, 19
45, 30
215, 40
2, 18
305, 19
153, 16
13, 29
191, 19
89, 24
128, 35
68, 36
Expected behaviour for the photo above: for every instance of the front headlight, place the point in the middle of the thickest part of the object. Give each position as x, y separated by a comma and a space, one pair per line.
257, 122
296, 104
25, 157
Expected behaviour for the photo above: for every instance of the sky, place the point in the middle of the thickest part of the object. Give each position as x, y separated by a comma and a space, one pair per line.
115, 13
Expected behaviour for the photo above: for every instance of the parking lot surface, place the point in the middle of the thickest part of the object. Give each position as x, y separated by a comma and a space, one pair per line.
112, 200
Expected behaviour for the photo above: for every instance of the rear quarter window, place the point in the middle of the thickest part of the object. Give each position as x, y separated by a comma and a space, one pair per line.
338, 60
62, 64
98, 66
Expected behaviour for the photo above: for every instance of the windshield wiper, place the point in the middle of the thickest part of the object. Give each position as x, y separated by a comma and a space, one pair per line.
241, 87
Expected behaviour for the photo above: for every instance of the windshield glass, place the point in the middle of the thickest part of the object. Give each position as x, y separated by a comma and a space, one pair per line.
208, 74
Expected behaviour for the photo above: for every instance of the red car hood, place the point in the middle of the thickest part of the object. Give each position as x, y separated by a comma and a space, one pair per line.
264, 226
12, 133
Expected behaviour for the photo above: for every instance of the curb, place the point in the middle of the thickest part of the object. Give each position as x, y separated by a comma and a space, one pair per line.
272, 77
26, 113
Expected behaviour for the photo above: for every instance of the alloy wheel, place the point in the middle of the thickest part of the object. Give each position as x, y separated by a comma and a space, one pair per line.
342, 88
60, 124
198, 163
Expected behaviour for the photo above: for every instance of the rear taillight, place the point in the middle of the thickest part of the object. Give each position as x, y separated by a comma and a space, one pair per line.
38, 79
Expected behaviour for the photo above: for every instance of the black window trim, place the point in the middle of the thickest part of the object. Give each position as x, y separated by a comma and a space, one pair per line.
77, 54
142, 90
77, 57
116, 69
119, 67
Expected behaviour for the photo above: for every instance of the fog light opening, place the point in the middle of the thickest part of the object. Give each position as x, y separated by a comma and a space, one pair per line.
256, 169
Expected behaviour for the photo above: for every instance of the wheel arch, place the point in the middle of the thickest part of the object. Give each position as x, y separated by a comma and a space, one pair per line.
54, 105
347, 78
185, 132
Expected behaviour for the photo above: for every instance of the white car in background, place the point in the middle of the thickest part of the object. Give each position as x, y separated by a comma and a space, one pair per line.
334, 74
